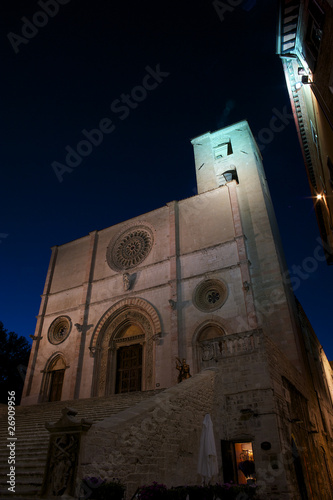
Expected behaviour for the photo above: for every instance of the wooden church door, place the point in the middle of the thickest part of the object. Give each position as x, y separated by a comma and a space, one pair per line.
129, 368
57, 379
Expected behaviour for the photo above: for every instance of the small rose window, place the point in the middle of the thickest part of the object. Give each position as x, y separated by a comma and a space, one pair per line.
210, 295
59, 330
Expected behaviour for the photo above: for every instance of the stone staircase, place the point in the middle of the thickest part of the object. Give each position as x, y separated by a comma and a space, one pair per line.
32, 437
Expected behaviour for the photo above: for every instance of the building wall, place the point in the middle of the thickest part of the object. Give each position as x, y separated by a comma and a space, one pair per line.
305, 47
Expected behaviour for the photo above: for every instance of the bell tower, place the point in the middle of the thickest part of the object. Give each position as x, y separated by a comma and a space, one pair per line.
230, 157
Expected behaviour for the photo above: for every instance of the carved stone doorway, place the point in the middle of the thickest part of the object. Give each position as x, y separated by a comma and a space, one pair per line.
128, 323
129, 368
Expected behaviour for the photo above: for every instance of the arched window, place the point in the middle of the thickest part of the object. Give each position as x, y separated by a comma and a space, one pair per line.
53, 379
209, 345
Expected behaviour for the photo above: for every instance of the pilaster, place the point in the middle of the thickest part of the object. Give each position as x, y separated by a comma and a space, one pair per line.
83, 327
39, 325
174, 283
243, 260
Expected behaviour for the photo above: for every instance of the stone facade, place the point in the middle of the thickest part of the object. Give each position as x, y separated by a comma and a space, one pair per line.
201, 279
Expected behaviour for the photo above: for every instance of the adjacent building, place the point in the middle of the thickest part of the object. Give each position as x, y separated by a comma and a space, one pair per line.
305, 45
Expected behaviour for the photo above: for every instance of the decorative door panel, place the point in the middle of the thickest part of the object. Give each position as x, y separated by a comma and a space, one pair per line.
129, 368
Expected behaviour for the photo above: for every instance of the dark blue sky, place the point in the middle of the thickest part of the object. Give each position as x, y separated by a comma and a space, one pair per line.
63, 77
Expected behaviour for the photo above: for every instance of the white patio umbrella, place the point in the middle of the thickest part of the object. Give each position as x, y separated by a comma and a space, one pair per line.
207, 464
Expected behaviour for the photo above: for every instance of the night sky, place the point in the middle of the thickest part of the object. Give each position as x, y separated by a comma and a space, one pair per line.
81, 69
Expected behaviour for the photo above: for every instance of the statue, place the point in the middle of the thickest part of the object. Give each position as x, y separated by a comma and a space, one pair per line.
184, 370
126, 281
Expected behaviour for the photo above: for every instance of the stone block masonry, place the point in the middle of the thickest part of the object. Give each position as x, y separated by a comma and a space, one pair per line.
154, 441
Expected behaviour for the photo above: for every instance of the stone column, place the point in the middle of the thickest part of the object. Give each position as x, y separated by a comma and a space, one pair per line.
85, 302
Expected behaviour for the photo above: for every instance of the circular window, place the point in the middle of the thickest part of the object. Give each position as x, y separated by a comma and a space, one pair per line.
210, 295
59, 330
130, 248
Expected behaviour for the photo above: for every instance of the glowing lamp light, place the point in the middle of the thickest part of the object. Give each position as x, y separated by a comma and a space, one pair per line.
319, 196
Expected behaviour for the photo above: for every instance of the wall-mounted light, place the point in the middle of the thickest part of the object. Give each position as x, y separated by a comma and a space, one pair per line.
306, 80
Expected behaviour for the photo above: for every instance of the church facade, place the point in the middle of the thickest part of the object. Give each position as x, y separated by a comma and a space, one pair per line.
196, 287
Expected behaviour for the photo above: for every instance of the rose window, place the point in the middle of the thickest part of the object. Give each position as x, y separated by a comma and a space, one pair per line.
213, 297
210, 295
59, 330
130, 248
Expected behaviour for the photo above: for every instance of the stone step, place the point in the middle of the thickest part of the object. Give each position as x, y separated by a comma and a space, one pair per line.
24, 470
31, 463
26, 451
34, 447
33, 438
23, 494
23, 440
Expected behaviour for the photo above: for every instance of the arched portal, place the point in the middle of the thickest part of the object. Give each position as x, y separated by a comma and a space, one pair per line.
53, 379
123, 346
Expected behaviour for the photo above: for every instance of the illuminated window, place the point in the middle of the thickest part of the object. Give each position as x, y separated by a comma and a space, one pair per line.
238, 462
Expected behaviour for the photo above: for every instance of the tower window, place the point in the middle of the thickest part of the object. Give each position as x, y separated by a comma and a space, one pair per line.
222, 150
314, 33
